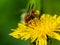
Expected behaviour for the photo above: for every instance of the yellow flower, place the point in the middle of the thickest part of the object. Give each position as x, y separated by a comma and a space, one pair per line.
38, 29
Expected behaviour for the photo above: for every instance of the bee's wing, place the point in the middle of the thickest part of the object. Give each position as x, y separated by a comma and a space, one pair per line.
22, 17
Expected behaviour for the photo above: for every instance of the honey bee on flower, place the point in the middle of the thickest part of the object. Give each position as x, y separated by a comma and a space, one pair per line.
30, 14
38, 29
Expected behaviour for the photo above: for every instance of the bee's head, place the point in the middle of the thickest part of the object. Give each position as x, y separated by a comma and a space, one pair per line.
35, 13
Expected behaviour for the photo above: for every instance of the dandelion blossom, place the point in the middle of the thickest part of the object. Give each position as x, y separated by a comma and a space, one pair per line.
38, 29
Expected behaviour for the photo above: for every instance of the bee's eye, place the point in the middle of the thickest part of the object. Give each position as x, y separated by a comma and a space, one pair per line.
37, 12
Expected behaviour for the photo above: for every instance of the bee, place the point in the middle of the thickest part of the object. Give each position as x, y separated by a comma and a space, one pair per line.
31, 14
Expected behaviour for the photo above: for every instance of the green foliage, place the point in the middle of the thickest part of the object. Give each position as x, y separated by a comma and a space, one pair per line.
51, 6
9, 18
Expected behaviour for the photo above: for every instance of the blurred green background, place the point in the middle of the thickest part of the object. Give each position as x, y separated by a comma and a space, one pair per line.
10, 11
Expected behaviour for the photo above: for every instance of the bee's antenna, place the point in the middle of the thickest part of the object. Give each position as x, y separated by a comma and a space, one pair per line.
29, 8
32, 6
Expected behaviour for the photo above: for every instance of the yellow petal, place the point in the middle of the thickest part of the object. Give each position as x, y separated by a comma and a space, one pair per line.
54, 35
15, 35
41, 41
58, 19
57, 30
26, 36
34, 36
55, 16
21, 26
